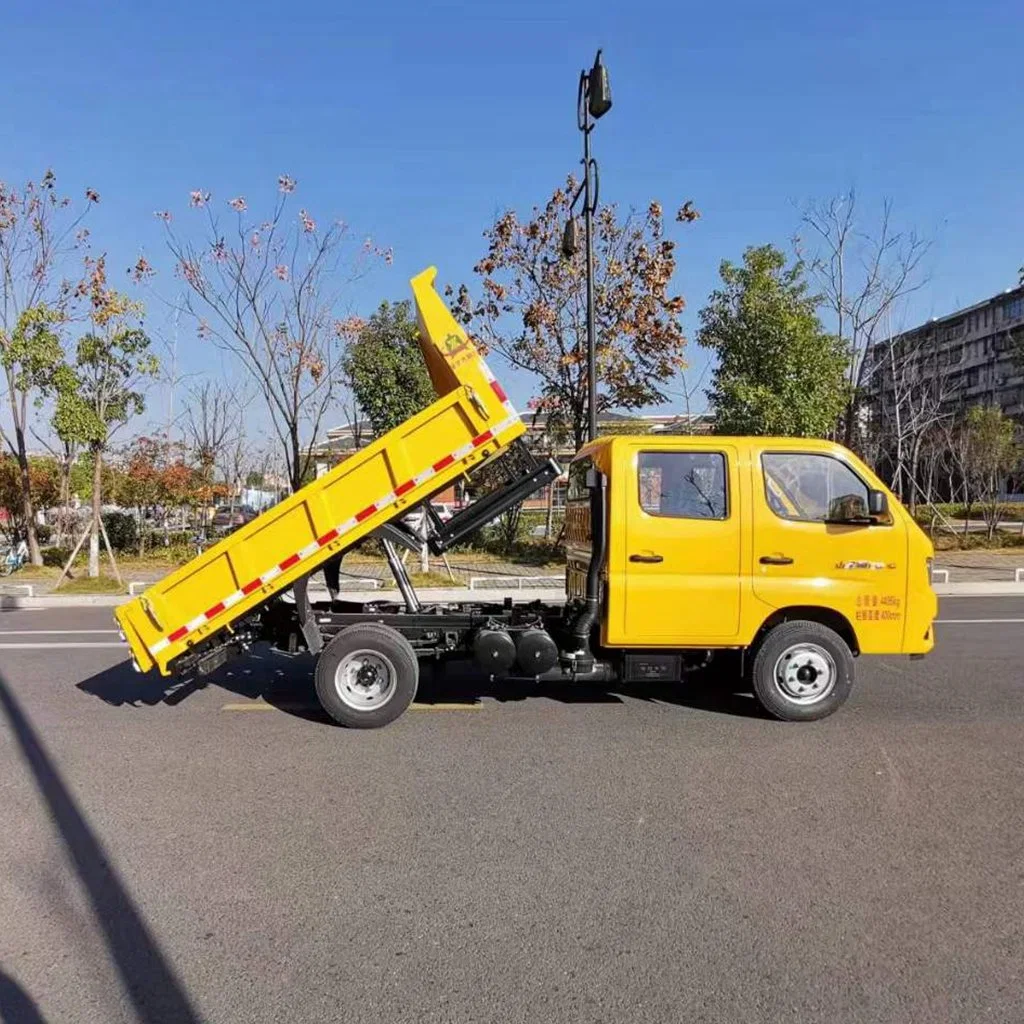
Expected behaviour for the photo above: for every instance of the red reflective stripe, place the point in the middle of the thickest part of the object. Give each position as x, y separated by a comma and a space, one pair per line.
499, 391
443, 463
482, 438
178, 634
366, 513
327, 538
252, 585
288, 562
215, 610
407, 486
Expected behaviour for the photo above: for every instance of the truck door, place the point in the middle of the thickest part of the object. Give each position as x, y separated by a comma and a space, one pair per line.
804, 555
681, 559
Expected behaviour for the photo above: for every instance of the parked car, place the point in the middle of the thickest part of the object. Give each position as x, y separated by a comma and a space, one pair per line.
227, 518
414, 519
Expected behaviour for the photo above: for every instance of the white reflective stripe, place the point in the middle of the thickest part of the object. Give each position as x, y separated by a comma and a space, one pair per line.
198, 621
423, 477
233, 598
160, 645
309, 549
271, 574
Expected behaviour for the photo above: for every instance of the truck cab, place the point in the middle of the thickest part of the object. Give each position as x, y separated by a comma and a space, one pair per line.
732, 542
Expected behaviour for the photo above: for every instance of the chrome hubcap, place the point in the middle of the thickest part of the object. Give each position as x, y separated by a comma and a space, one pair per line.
365, 680
805, 673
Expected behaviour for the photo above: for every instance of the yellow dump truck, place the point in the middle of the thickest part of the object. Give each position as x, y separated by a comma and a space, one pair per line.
789, 551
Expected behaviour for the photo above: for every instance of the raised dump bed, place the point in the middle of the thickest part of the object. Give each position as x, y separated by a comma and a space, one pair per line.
471, 420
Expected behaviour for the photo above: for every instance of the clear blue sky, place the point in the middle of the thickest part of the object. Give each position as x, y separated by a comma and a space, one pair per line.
418, 122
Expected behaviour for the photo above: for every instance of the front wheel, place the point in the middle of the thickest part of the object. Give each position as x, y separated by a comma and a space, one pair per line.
802, 671
367, 676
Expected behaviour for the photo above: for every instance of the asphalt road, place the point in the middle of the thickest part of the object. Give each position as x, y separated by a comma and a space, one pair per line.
570, 855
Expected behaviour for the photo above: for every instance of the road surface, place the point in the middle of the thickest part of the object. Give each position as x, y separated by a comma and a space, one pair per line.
227, 855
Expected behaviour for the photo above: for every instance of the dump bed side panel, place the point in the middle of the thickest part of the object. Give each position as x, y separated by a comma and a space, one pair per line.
471, 421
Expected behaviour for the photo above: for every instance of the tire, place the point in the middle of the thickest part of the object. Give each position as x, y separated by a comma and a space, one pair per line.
367, 676
802, 671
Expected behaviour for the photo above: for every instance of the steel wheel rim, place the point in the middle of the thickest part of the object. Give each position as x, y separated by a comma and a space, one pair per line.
365, 680
804, 674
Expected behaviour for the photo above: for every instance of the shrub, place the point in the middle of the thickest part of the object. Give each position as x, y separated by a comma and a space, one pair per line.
121, 530
56, 557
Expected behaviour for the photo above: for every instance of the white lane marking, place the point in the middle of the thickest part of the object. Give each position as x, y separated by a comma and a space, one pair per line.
60, 646
54, 632
965, 622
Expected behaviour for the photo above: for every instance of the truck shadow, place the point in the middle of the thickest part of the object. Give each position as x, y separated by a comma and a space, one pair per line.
286, 683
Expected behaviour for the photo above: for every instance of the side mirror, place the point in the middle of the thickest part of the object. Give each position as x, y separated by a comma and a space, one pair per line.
878, 504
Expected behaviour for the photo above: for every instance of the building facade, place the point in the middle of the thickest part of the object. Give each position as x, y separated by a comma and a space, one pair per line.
971, 357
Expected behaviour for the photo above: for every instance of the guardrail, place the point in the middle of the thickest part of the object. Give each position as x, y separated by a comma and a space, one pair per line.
492, 582
943, 572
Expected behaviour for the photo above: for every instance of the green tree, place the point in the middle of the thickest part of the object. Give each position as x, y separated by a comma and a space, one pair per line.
778, 372
991, 452
28, 353
386, 369
101, 391
39, 230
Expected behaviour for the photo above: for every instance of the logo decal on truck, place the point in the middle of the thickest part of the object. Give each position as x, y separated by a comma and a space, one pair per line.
865, 565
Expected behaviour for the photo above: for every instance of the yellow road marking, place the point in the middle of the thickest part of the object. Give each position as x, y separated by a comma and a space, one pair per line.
262, 705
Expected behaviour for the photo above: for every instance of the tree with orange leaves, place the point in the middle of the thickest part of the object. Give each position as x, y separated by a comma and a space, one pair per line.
532, 309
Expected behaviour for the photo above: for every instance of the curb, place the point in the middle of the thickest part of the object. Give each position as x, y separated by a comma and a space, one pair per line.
980, 588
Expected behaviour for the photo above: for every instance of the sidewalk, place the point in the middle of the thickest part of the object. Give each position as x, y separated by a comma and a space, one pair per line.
980, 566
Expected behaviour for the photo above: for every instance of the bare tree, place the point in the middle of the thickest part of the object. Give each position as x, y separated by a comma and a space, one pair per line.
270, 297
913, 384
863, 274
212, 423
39, 231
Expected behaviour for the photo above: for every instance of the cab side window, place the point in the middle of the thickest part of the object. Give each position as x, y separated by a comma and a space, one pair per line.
683, 485
813, 488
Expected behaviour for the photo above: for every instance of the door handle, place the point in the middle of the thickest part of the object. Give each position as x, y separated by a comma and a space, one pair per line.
646, 556
775, 560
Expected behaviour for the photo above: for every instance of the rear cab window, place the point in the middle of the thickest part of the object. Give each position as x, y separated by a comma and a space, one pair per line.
683, 485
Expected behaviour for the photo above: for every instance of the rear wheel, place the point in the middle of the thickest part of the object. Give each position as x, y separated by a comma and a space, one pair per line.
367, 676
802, 671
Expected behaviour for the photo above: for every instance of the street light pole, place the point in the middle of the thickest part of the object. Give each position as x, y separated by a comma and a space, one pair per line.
585, 126
593, 100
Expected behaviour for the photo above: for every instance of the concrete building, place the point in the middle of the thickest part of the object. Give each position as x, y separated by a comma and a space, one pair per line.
975, 355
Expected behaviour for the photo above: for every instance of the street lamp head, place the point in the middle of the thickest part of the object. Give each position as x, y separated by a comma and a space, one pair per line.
599, 90
570, 238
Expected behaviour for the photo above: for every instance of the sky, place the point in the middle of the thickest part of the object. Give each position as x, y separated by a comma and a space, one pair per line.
418, 123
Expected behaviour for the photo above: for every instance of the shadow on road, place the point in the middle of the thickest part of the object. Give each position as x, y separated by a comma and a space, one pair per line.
16, 1005
155, 992
286, 682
